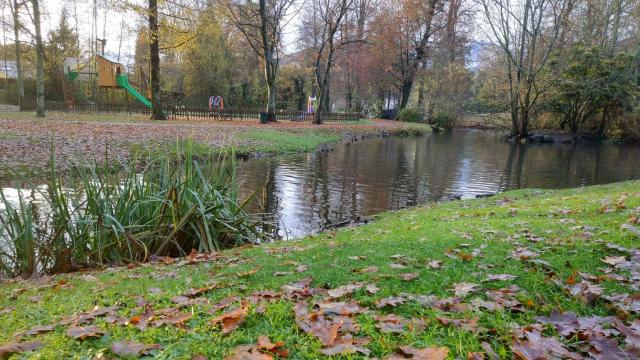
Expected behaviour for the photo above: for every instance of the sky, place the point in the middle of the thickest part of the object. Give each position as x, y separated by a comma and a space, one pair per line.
118, 25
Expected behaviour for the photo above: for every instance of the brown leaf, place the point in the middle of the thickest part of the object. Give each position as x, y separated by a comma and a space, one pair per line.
608, 349
191, 293
14, 347
347, 346
435, 264
370, 269
265, 345
344, 290
500, 277
142, 321
84, 332
390, 301
128, 348
249, 272
430, 353
172, 317
7, 310
585, 291
463, 289
523, 254
409, 276
88, 317
537, 347
318, 325
372, 289
340, 308
632, 336
614, 260
35, 331
248, 352
470, 325
231, 320
298, 290
256, 297
391, 323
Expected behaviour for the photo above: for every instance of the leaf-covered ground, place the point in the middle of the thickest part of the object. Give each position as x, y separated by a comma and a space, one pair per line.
537, 274
25, 142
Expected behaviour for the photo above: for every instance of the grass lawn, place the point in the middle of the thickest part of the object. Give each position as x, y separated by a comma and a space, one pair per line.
430, 265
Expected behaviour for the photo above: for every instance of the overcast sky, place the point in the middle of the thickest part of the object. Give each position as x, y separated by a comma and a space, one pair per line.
117, 23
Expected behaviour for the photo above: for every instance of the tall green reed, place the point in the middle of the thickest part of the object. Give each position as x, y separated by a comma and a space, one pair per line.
114, 215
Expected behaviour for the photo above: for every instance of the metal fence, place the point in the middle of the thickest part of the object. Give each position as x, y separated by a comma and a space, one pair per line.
195, 113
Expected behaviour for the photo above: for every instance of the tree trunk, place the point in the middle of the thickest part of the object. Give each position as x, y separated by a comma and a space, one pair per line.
270, 63
16, 34
39, 60
407, 85
420, 57
154, 58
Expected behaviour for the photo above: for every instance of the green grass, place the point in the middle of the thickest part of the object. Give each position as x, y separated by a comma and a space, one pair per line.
279, 141
422, 234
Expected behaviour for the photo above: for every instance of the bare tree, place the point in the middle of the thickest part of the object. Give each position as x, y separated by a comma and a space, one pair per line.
327, 20
261, 25
420, 28
14, 5
39, 60
527, 32
154, 56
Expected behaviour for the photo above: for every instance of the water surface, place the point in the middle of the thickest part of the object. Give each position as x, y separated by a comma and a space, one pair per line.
311, 191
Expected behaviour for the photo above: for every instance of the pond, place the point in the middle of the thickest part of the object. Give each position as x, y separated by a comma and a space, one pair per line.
312, 191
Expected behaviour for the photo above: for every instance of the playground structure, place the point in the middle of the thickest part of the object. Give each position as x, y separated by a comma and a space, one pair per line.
110, 76
311, 105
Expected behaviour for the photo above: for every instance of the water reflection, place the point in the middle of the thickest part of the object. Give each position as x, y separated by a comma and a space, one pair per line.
310, 191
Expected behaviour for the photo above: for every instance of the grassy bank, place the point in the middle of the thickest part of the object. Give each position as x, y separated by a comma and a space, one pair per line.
25, 141
431, 266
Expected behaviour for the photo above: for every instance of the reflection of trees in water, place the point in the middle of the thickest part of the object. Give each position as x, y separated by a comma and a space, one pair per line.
312, 190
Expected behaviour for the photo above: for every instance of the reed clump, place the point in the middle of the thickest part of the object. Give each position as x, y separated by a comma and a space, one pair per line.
104, 215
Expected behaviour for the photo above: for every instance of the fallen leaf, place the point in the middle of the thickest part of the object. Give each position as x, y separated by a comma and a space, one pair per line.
128, 348
390, 301
84, 332
340, 308
523, 254
470, 325
463, 289
231, 320
370, 269
435, 264
500, 277
372, 289
248, 352
14, 347
344, 290
391, 323
249, 272
430, 353
409, 276
536, 347
347, 346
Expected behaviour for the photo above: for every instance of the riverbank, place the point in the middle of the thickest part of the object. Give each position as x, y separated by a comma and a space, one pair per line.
25, 142
457, 278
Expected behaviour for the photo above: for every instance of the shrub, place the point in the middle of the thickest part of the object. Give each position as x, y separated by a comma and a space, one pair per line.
115, 216
411, 115
445, 120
